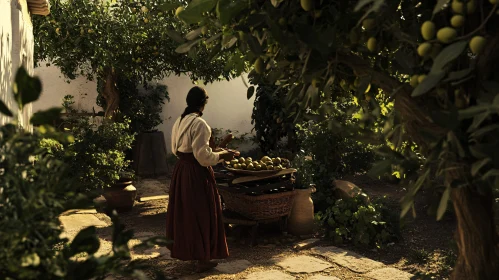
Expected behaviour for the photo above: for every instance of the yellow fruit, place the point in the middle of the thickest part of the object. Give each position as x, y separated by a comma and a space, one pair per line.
270, 167
477, 44
424, 49
243, 165
242, 160
234, 161
266, 159
371, 44
237, 166
282, 21
249, 159
457, 21
428, 30
421, 78
414, 81
458, 6
307, 5
276, 161
58, 31
255, 163
259, 66
446, 35
204, 30
368, 23
258, 167
250, 166
179, 10
354, 36
144, 9
146, 20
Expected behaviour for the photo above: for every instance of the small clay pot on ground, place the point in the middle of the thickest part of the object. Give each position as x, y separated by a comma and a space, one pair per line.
301, 220
121, 196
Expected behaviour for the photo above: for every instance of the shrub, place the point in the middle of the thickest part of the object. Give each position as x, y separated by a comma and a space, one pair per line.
360, 222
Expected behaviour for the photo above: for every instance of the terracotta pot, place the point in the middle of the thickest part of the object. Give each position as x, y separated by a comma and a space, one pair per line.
121, 196
301, 220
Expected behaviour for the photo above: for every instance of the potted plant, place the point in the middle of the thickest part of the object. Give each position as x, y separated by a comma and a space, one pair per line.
301, 219
121, 195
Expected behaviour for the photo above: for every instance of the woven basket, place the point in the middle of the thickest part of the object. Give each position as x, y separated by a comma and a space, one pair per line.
261, 207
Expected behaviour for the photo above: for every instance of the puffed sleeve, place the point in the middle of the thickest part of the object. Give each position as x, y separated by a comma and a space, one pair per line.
201, 134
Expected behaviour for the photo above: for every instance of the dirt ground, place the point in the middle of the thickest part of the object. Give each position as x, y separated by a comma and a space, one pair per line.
425, 248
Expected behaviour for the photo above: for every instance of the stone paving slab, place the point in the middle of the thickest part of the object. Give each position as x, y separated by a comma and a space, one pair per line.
269, 275
389, 273
306, 244
303, 264
323, 277
233, 267
78, 221
348, 259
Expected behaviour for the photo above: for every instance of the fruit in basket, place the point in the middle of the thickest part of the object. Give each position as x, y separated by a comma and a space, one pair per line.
242, 160
243, 166
258, 167
256, 163
276, 161
249, 159
251, 166
266, 159
270, 167
234, 161
237, 166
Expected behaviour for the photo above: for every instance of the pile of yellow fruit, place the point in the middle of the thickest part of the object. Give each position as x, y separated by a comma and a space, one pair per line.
266, 163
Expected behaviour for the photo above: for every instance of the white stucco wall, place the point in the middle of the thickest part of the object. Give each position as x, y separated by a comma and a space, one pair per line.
228, 107
16, 49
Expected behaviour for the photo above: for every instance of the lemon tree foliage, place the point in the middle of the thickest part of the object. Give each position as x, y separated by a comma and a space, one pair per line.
35, 189
435, 60
108, 40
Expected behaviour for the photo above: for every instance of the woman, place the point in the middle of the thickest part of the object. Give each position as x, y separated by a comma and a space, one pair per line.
194, 218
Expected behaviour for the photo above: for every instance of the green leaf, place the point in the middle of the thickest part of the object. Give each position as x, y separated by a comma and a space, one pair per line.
177, 37
213, 38
184, 48
5, 110
477, 121
407, 204
444, 201
438, 7
451, 137
193, 34
229, 9
447, 55
480, 132
166, 7
26, 88
250, 92
380, 168
85, 241
428, 83
46, 116
472, 111
254, 45
477, 165
458, 75
491, 173
194, 11
229, 41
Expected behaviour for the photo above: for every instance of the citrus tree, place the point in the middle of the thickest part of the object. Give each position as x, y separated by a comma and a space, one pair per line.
107, 40
435, 60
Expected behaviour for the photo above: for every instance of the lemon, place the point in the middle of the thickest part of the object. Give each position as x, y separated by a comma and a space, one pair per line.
179, 10
249, 159
307, 5
234, 161
477, 44
446, 35
371, 44
428, 30
421, 78
424, 49
368, 23
457, 21
270, 167
250, 166
414, 81
237, 166
259, 65
242, 160
276, 161
258, 167
458, 6
266, 159
243, 165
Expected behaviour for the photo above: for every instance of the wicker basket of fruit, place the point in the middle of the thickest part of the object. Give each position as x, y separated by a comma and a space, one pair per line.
265, 165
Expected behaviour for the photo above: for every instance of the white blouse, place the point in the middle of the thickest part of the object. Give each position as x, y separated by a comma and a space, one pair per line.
192, 135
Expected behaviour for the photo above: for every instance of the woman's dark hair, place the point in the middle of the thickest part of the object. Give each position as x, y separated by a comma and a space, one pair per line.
196, 99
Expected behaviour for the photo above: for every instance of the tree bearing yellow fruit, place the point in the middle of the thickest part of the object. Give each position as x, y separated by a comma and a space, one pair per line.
368, 23
259, 66
458, 6
457, 21
446, 35
371, 44
204, 30
179, 10
421, 78
428, 30
424, 49
414, 81
477, 44
307, 5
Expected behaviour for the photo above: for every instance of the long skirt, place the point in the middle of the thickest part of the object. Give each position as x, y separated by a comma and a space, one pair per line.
194, 218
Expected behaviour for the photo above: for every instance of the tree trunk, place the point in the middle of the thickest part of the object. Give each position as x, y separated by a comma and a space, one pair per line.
110, 93
476, 236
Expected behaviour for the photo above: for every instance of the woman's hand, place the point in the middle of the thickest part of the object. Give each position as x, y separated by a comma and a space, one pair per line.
228, 155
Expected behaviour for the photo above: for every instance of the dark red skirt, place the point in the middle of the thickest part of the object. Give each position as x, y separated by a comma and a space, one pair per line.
194, 218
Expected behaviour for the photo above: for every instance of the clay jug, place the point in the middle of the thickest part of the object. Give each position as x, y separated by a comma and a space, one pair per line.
301, 219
